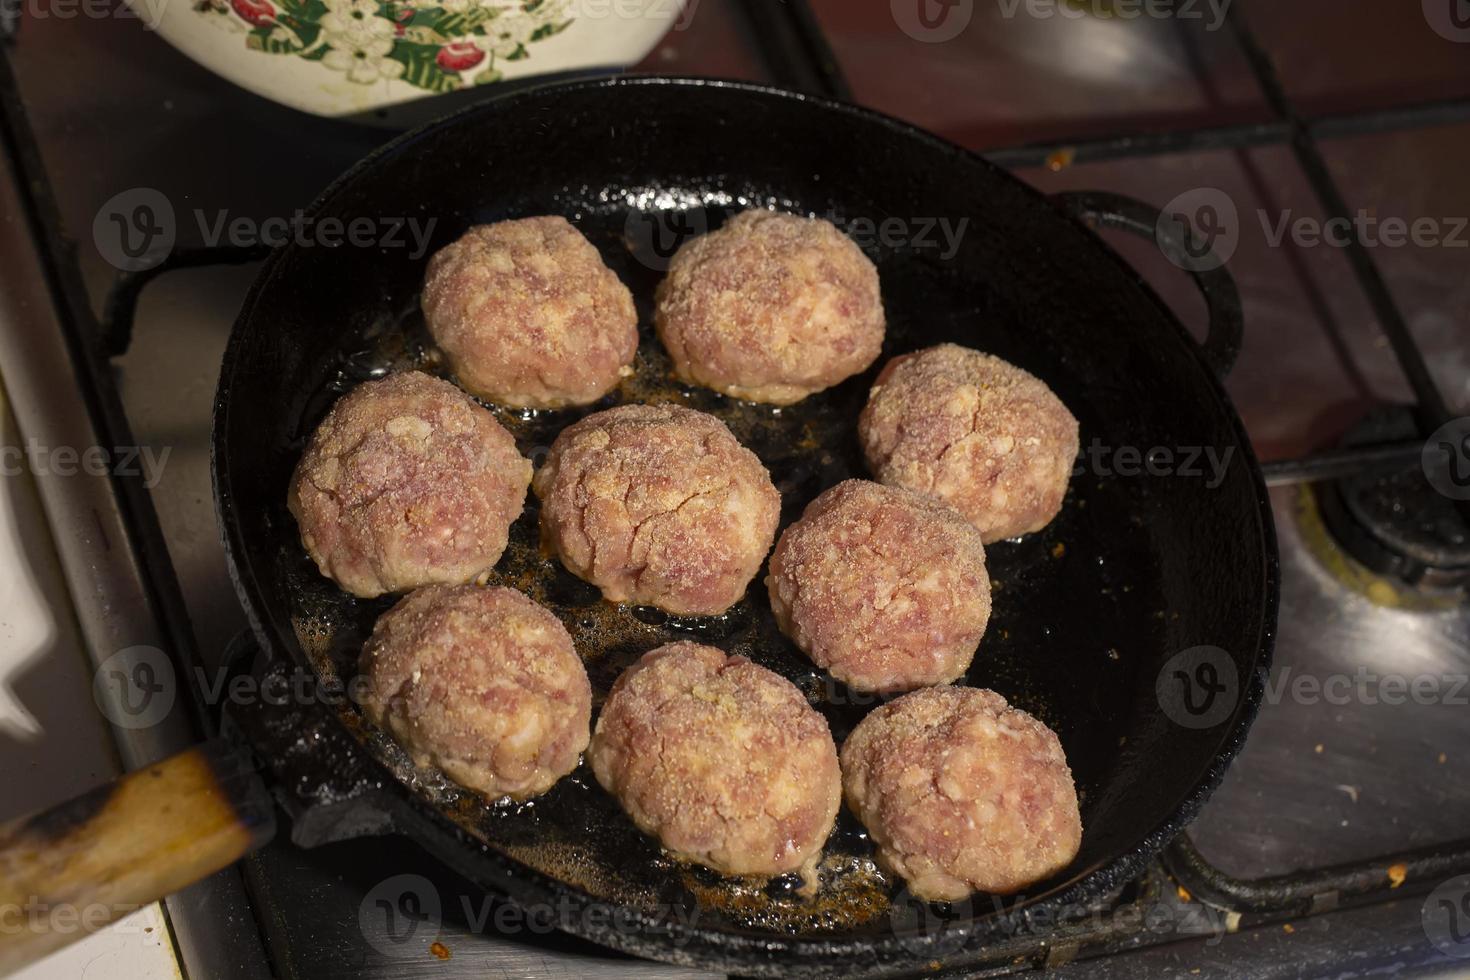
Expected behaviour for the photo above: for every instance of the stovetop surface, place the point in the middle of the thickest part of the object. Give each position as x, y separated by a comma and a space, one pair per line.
1324, 779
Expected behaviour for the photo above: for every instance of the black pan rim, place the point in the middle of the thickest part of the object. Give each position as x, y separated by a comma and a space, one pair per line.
705, 946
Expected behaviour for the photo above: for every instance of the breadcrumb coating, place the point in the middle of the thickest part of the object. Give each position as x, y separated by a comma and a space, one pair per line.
482, 683
884, 588
721, 760
982, 435
407, 482
528, 315
961, 792
770, 308
658, 504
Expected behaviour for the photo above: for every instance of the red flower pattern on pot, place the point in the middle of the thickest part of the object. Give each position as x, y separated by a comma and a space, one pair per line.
459, 56
260, 13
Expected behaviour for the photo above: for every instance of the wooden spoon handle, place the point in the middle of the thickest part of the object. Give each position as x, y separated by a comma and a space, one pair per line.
68, 871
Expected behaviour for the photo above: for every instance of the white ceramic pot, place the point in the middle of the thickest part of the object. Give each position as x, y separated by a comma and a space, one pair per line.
344, 57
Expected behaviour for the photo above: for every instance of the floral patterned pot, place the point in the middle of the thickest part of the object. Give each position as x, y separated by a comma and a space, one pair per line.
344, 57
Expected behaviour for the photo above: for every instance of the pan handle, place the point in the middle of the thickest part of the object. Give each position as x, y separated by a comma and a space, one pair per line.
68, 871
1226, 322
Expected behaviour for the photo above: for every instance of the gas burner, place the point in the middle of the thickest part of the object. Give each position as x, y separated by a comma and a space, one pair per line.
1395, 522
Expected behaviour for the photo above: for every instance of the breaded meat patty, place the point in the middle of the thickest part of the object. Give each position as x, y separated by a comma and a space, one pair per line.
721, 760
528, 315
884, 588
482, 683
982, 435
658, 504
962, 793
770, 308
407, 482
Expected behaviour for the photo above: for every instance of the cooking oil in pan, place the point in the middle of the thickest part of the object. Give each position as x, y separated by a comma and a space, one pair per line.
576, 833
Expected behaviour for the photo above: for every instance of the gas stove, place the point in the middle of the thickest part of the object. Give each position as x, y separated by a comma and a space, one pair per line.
1320, 145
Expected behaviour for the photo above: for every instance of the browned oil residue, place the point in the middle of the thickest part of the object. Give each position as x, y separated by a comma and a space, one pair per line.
576, 833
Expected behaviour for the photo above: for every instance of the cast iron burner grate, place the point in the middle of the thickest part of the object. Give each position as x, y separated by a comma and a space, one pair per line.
1395, 522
